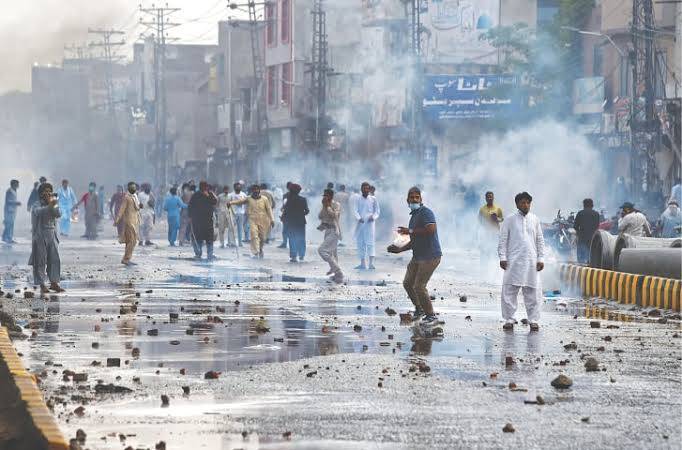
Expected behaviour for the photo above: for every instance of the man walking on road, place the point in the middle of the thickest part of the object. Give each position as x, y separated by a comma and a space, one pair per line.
44, 253
295, 210
260, 217
239, 211
329, 218
67, 198
225, 216
366, 213
426, 254
128, 222
585, 224
173, 206
345, 220
11, 205
148, 201
489, 219
201, 208
90, 201
521, 250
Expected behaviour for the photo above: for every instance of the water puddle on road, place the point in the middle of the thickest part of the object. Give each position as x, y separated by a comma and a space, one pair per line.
198, 327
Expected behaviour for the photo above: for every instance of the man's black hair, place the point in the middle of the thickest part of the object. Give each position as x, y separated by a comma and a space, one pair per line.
43, 187
588, 203
414, 189
523, 196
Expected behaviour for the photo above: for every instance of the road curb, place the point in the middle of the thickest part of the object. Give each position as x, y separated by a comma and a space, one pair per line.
626, 288
43, 421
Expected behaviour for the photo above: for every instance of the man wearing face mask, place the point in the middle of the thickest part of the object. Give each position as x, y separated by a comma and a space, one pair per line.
260, 218
44, 253
671, 220
91, 202
521, 249
426, 254
366, 213
128, 221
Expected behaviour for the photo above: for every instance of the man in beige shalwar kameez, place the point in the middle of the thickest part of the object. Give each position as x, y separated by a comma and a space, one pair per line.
260, 217
129, 219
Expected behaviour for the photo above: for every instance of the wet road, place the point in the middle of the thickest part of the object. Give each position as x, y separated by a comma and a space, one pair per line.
302, 363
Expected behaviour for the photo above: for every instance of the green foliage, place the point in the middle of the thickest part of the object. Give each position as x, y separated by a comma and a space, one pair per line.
545, 60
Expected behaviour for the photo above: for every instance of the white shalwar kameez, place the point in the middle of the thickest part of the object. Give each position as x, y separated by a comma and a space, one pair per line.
522, 245
146, 217
366, 208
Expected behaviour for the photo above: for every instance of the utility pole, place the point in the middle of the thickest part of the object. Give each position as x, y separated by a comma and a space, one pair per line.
77, 53
644, 124
107, 45
158, 22
319, 73
416, 78
260, 111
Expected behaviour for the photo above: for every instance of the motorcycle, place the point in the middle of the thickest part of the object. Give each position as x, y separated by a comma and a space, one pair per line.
561, 236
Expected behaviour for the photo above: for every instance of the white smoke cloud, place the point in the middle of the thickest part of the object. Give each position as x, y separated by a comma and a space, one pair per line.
556, 165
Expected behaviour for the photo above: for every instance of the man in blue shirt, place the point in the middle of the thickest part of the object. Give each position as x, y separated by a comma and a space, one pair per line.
426, 256
173, 205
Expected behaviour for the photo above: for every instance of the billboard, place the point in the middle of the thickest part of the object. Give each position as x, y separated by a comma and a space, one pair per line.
448, 97
454, 28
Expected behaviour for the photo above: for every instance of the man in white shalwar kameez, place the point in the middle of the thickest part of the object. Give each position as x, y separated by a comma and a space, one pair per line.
521, 249
366, 213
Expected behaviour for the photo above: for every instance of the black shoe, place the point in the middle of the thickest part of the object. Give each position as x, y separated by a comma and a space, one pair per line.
282, 246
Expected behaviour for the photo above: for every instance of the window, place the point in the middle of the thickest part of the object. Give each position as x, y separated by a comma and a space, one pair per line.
272, 76
597, 61
286, 83
546, 12
286, 18
271, 19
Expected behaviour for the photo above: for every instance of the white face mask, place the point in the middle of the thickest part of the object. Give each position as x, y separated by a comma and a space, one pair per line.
673, 210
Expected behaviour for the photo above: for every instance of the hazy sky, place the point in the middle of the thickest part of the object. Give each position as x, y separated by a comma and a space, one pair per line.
36, 31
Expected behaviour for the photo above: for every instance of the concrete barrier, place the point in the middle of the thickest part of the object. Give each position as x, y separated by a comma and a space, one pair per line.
44, 432
625, 288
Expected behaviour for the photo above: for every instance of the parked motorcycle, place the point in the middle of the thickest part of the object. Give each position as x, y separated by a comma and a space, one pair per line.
561, 236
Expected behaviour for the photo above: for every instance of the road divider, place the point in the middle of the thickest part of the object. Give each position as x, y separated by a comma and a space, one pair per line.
42, 431
626, 288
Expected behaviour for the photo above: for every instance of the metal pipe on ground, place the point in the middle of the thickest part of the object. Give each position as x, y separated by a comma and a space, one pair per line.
658, 262
602, 248
627, 241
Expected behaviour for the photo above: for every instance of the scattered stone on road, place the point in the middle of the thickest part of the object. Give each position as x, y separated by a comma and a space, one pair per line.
562, 382
592, 365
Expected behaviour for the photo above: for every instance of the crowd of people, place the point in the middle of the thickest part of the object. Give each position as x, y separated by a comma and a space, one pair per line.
258, 215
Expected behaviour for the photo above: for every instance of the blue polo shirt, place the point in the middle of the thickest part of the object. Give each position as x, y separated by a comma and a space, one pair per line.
424, 248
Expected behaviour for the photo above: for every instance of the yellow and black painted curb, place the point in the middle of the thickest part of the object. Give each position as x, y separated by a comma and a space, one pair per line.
42, 418
626, 288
